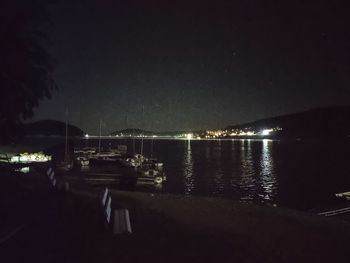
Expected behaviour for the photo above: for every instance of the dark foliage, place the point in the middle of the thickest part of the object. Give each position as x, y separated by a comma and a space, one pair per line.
25, 66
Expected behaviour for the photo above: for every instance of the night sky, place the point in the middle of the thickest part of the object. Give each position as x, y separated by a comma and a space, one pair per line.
194, 65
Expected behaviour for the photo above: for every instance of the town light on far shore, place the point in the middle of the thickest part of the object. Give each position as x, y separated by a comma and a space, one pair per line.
86, 135
266, 132
189, 136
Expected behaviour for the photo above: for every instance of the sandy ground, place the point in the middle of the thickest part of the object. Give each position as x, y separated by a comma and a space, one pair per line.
63, 226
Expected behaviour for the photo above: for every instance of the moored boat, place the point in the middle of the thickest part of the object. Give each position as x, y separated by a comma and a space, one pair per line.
81, 161
149, 173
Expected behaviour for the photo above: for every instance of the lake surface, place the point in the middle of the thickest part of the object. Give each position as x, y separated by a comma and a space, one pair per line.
294, 174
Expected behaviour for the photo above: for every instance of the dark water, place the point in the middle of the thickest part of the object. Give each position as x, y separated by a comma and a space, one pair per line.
294, 174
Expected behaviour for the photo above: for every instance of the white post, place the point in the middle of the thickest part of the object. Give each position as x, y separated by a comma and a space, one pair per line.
121, 222
104, 198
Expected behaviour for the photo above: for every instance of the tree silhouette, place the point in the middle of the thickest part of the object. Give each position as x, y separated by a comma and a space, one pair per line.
25, 64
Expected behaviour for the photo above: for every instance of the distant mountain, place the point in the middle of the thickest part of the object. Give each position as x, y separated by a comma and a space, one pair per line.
50, 128
320, 122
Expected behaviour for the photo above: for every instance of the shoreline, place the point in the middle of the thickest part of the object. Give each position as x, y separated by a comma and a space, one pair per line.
257, 138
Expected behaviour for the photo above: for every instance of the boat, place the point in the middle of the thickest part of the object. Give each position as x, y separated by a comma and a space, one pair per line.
155, 175
111, 156
82, 156
134, 161
85, 150
147, 170
81, 161
156, 163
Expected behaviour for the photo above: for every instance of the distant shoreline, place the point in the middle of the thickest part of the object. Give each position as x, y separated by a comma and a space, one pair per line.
254, 138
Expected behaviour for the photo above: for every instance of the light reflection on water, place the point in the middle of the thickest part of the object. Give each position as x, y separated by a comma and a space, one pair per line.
247, 182
267, 176
188, 169
218, 183
243, 169
236, 170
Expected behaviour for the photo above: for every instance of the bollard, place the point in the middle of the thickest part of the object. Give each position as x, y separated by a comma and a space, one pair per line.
121, 222
66, 186
52, 175
60, 185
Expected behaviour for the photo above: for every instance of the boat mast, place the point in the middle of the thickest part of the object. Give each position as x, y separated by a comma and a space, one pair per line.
99, 140
141, 145
133, 133
66, 139
152, 139
143, 111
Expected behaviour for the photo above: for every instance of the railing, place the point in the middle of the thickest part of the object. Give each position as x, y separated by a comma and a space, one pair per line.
335, 212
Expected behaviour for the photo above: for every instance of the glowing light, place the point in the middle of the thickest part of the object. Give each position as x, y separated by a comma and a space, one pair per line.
189, 136
27, 158
266, 132
250, 133
23, 170
86, 135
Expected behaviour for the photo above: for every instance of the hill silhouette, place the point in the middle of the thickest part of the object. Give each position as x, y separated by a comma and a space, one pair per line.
320, 122
51, 128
